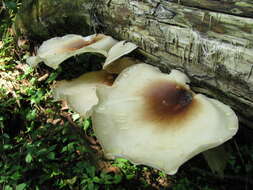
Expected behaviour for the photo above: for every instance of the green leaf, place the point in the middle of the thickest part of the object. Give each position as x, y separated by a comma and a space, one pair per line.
130, 176
75, 116
16, 175
7, 147
51, 155
71, 181
31, 115
11, 5
86, 124
21, 186
91, 171
28, 158
91, 186
51, 148
97, 179
37, 97
52, 77
7, 187
70, 147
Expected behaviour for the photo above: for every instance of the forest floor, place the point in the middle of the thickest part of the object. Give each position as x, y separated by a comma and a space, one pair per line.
45, 145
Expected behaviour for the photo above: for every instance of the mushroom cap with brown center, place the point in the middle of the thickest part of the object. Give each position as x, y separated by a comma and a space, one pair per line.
155, 119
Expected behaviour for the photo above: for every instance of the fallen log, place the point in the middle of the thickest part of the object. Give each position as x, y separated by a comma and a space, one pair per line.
241, 7
212, 44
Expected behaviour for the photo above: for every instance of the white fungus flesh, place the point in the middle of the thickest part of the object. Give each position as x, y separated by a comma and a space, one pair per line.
155, 119
80, 93
118, 50
119, 65
56, 50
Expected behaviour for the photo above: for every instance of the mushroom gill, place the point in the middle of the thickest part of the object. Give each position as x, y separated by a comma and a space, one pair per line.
155, 119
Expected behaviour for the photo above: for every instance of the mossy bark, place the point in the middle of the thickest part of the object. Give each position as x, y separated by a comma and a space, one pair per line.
214, 46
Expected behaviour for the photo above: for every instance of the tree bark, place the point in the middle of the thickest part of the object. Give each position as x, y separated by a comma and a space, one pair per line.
210, 40
42, 19
233, 7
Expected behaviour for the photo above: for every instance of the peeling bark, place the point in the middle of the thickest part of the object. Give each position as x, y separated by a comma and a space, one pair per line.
210, 40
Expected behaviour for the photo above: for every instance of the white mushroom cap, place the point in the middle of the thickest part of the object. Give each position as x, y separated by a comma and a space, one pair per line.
154, 119
54, 51
80, 93
118, 50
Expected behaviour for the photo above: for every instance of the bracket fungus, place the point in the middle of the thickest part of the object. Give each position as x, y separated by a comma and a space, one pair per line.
80, 93
118, 50
144, 115
155, 119
56, 50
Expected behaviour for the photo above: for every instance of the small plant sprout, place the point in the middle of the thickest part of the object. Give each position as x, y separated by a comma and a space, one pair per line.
155, 119
80, 93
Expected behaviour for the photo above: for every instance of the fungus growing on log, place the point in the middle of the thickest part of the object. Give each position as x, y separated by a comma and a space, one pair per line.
155, 119
144, 115
80, 93
54, 51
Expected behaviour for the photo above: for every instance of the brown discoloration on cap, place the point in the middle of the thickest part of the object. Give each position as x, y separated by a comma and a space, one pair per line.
169, 104
119, 65
80, 43
109, 79
99, 77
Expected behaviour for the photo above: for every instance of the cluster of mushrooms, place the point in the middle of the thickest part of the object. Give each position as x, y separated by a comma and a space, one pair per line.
143, 115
